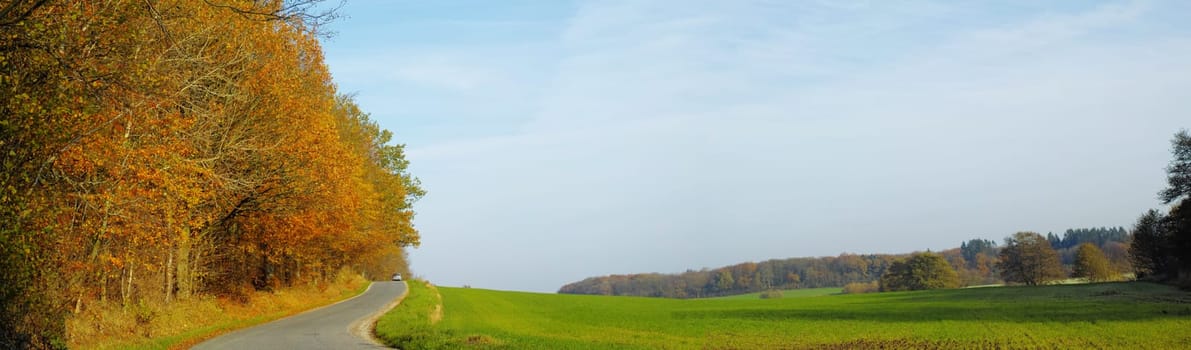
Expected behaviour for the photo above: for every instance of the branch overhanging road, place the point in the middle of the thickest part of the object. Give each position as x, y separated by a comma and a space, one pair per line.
339, 326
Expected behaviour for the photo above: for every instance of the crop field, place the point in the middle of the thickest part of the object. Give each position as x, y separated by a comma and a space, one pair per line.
1089, 316
791, 293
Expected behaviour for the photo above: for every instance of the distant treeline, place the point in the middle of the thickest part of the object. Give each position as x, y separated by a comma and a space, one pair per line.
741, 278
975, 262
1113, 241
1099, 236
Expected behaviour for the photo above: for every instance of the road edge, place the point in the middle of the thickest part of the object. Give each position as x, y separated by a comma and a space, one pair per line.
366, 327
199, 340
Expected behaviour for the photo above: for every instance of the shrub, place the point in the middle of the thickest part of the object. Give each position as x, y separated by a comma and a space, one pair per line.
771, 294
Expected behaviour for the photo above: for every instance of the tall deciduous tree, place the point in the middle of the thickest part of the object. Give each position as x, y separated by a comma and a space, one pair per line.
1178, 173
918, 272
724, 280
1090, 263
1028, 258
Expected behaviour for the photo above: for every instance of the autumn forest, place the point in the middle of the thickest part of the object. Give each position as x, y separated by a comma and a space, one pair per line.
162, 150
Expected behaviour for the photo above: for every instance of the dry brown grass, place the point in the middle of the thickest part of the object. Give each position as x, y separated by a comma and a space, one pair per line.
157, 325
437, 314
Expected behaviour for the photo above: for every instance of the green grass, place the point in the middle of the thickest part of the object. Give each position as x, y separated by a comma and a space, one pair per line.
409, 324
789, 293
1107, 315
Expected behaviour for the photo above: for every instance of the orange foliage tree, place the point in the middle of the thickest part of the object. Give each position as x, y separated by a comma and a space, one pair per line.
154, 150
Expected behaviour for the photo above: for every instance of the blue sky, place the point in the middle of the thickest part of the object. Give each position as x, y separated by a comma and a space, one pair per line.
561, 140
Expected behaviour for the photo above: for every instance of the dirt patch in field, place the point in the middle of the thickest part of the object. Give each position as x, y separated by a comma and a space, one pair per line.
366, 327
909, 344
436, 315
481, 340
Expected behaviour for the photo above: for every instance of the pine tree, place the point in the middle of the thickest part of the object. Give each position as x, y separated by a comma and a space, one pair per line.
1147, 250
1178, 191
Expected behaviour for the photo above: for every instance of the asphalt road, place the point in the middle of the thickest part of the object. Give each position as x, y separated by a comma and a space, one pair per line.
331, 327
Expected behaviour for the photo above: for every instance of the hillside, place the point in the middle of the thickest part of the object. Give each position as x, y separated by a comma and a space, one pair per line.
1109, 315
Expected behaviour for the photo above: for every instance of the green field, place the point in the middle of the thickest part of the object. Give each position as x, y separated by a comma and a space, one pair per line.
1089, 316
791, 293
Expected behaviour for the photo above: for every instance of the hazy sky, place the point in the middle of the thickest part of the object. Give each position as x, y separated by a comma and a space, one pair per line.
562, 140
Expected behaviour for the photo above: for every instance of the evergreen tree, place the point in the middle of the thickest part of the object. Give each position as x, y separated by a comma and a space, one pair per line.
971, 248
1178, 174
1178, 232
1054, 240
1147, 250
1179, 191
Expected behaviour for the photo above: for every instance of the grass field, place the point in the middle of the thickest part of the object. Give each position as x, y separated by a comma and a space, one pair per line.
792, 293
1088, 316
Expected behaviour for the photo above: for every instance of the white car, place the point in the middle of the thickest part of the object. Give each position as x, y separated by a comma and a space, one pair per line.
396, 277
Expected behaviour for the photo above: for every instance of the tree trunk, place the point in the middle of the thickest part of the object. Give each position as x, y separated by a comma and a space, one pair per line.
185, 278
103, 285
126, 285
169, 275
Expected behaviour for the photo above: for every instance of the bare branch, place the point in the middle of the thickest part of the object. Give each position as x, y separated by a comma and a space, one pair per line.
13, 13
310, 15
157, 18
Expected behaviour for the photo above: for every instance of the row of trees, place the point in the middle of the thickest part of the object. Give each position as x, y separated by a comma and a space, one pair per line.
1026, 258
1114, 242
157, 150
975, 262
741, 278
1100, 236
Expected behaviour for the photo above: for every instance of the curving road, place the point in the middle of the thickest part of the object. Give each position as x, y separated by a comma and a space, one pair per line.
331, 327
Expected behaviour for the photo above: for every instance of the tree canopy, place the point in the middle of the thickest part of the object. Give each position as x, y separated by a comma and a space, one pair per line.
1028, 258
1091, 264
1178, 173
919, 272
